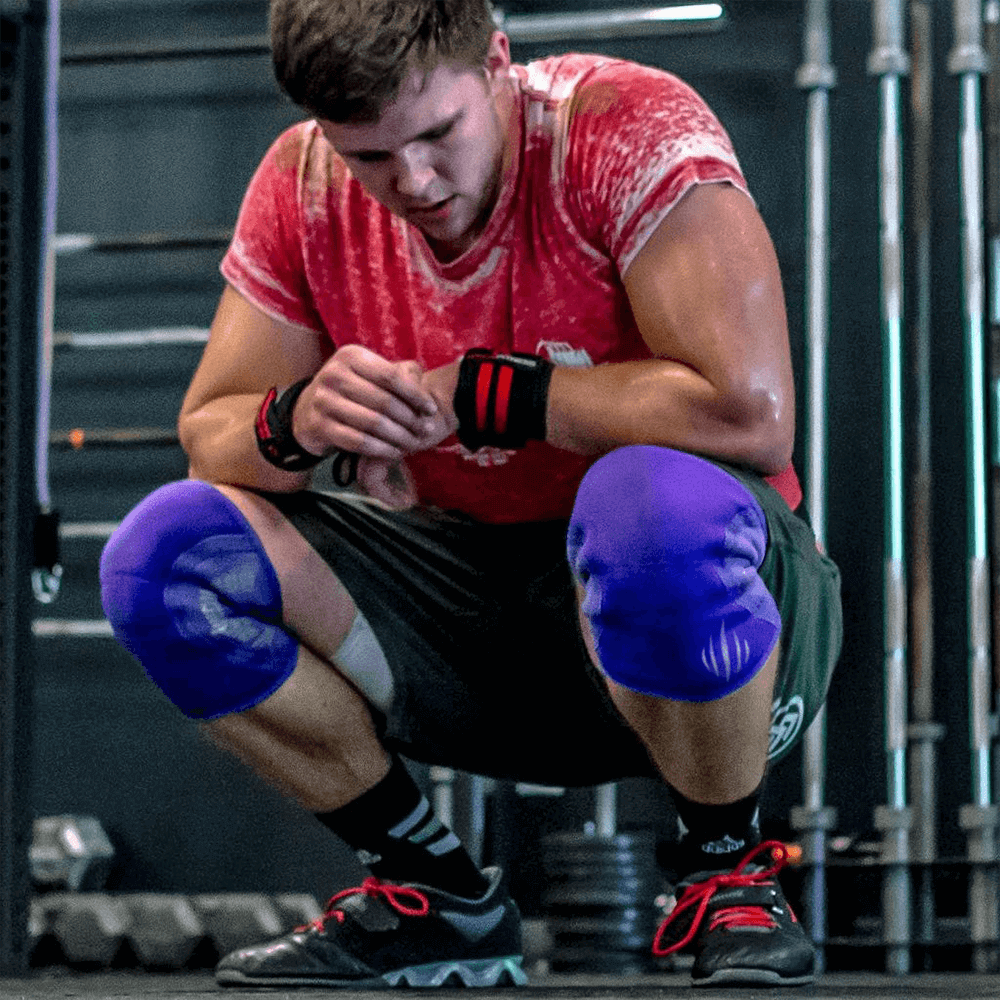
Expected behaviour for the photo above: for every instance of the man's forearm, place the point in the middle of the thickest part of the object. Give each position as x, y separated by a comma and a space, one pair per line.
594, 410
221, 448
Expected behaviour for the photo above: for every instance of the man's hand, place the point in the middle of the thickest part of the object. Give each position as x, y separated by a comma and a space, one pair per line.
360, 402
440, 384
389, 480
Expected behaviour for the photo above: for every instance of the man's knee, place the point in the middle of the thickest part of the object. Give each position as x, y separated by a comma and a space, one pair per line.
190, 592
667, 547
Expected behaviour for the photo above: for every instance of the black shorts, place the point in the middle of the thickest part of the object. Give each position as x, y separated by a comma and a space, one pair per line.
479, 625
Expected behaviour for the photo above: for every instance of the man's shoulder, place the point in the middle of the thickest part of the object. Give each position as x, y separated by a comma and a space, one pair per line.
296, 148
287, 148
575, 74
303, 165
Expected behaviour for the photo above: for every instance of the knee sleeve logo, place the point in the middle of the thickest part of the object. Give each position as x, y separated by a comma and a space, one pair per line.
786, 722
733, 655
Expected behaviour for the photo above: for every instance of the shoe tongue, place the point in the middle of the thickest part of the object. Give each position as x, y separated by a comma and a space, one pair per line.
372, 914
695, 877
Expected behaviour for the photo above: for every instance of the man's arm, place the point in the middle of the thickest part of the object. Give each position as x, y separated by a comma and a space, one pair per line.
356, 401
706, 293
247, 353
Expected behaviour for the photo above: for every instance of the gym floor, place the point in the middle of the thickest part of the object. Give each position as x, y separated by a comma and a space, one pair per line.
130, 985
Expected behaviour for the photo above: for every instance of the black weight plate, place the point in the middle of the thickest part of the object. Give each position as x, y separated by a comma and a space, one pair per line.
608, 873
615, 921
607, 962
611, 936
571, 899
606, 876
590, 863
641, 840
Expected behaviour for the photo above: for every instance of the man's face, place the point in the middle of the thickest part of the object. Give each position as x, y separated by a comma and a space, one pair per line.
435, 154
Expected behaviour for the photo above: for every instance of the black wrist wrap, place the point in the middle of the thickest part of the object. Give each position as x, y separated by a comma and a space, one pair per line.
500, 399
273, 428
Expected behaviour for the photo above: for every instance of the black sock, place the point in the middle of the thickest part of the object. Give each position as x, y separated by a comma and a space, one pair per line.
714, 837
394, 831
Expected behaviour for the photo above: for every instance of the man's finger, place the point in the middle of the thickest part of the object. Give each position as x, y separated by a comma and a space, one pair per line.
395, 378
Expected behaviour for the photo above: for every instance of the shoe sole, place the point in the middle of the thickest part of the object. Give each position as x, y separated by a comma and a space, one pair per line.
484, 972
495, 972
752, 977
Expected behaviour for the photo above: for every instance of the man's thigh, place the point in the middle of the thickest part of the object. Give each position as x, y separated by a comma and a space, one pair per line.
806, 587
671, 550
479, 626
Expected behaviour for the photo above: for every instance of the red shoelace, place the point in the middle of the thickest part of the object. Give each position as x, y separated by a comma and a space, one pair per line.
375, 888
700, 894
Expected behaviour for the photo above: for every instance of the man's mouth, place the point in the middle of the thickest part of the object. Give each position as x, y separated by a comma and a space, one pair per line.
435, 210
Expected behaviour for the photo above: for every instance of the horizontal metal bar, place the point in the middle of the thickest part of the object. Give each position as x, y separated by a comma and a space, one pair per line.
88, 529
201, 239
622, 22
243, 45
57, 628
182, 335
668, 19
79, 438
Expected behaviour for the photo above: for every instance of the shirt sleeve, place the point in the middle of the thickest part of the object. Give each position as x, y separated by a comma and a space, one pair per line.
637, 139
265, 261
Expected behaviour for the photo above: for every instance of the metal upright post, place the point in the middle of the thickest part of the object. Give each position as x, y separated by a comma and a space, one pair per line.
817, 76
992, 106
25, 74
889, 62
924, 732
968, 61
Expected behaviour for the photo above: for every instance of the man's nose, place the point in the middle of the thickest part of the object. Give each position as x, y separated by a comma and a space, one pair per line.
414, 173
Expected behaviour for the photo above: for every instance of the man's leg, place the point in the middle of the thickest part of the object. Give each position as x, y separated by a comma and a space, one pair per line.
242, 624
713, 752
313, 738
665, 548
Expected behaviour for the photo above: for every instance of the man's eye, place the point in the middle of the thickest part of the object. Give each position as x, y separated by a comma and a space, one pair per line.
439, 133
371, 157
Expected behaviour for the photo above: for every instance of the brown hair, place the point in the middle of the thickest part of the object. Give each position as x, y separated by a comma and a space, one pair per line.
343, 60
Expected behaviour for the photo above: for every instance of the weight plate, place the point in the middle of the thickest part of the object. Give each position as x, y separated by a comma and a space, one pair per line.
641, 839
625, 963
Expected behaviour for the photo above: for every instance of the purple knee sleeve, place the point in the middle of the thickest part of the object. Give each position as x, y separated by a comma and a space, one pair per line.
667, 547
190, 592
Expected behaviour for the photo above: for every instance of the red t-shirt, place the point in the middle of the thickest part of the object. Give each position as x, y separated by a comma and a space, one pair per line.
604, 149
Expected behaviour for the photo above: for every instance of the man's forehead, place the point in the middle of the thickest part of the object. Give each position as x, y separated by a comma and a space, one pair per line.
427, 86
426, 99
417, 80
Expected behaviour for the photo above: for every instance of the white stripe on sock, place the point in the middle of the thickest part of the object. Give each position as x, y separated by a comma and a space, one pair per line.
401, 829
444, 845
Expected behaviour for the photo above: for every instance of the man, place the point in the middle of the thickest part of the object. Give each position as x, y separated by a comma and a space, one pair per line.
566, 564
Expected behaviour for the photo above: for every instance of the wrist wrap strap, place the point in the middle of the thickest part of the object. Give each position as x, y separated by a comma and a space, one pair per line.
273, 428
500, 399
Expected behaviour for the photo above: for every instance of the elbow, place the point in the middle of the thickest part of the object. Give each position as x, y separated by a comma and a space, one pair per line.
774, 452
758, 427
769, 424
196, 439
186, 434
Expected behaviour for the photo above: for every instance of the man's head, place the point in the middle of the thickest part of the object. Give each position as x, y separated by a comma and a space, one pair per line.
344, 60
411, 94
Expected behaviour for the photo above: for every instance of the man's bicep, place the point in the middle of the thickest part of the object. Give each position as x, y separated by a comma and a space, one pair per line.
248, 351
706, 291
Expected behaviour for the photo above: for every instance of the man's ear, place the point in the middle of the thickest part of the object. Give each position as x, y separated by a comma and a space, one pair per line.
498, 55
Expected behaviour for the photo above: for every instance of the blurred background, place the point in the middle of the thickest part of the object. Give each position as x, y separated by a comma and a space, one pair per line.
153, 160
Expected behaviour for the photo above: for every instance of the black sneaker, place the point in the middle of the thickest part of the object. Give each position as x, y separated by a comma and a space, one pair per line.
384, 934
739, 926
